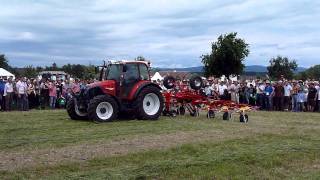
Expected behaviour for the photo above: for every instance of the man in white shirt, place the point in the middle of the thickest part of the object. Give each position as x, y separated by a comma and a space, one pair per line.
222, 87
22, 88
287, 93
260, 94
8, 94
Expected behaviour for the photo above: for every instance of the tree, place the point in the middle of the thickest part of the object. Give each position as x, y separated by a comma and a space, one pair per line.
4, 63
311, 73
282, 66
227, 56
30, 72
140, 58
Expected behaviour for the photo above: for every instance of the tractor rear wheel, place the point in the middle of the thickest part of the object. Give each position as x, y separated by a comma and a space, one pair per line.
149, 103
74, 112
103, 108
169, 82
196, 82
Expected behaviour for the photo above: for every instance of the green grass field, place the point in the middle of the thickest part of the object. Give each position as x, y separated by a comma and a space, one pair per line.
48, 145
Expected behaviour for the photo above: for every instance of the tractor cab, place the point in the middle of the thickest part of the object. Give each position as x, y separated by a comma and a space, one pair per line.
125, 75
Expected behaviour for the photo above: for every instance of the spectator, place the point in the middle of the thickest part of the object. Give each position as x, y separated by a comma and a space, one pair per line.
312, 95
208, 90
222, 88
52, 94
21, 88
76, 87
295, 90
278, 96
2, 84
268, 93
287, 95
32, 94
8, 93
260, 89
44, 93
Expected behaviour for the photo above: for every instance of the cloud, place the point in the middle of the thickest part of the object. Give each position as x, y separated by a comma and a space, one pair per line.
169, 32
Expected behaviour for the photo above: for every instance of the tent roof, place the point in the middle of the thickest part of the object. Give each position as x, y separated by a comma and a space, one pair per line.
4, 72
156, 76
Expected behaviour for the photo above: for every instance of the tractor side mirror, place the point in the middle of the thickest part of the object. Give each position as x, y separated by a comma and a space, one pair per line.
96, 70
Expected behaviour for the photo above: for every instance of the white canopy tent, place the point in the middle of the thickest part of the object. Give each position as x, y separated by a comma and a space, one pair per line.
156, 77
4, 74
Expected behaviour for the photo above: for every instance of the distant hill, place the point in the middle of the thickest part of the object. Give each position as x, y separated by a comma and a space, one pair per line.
251, 68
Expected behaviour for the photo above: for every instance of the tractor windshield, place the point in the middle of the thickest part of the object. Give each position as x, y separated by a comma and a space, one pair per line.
114, 72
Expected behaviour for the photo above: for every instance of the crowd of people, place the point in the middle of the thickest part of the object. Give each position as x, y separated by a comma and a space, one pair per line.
24, 94
282, 95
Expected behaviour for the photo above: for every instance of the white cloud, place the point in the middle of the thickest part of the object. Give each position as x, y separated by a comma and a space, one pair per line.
170, 32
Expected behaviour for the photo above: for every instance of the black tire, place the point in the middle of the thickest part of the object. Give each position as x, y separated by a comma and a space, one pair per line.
182, 110
71, 109
103, 102
244, 118
169, 82
139, 103
196, 83
211, 114
226, 116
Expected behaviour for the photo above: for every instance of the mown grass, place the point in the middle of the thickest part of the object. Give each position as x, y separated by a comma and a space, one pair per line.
288, 147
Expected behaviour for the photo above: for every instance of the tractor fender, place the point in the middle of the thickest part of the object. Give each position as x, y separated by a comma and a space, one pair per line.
98, 90
140, 86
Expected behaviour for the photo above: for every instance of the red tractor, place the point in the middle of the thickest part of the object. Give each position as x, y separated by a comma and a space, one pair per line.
124, 88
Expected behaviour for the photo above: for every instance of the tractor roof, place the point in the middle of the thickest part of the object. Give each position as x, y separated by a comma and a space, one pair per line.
130, 61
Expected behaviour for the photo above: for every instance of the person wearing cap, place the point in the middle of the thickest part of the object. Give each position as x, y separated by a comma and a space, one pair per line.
268, 92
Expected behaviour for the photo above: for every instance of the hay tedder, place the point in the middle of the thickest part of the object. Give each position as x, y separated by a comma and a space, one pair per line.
181, 97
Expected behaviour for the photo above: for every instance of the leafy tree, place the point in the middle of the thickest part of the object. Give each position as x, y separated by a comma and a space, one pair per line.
4, 63
311, 73
227, 56
282, 66
140, 58
29, 72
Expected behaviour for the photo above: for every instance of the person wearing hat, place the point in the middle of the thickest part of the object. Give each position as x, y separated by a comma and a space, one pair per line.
268, 92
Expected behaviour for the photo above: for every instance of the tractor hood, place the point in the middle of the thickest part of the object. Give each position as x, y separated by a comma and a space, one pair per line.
107, 86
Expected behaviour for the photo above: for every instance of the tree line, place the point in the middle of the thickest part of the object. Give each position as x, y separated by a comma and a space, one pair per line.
75, 70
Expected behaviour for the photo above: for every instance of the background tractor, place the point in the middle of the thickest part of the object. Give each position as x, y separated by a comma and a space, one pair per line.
124, 87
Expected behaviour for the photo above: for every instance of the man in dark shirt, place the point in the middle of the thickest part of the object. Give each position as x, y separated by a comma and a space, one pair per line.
278, 96
312, 94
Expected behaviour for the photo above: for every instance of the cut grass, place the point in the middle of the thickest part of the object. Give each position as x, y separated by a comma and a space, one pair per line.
274, 145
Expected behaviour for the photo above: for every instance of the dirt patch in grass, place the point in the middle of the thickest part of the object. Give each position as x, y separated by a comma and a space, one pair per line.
11, 161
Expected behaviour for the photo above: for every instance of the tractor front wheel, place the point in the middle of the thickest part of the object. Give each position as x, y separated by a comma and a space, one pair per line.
74, 112
149, 103
103, 108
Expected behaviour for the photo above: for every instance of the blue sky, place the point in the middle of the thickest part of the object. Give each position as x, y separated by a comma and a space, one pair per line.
172, 33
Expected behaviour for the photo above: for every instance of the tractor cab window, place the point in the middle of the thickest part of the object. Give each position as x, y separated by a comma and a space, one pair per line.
131, 74
144, 73
114, 72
